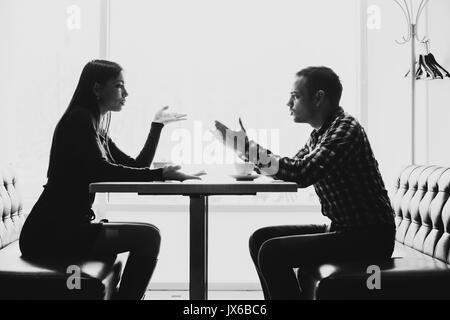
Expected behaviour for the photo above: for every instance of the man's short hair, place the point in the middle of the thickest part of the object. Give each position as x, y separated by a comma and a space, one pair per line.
322, 78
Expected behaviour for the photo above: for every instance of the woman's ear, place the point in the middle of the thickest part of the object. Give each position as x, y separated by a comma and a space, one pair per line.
96, 90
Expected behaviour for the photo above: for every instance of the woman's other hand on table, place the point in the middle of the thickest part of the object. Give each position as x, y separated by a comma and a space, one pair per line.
174, 173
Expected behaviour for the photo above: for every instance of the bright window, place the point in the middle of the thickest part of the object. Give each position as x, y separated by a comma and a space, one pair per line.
220, 60
211, 59
44, 47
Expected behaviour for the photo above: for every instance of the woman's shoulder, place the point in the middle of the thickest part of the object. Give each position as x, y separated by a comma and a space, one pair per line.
79, 112
78, 116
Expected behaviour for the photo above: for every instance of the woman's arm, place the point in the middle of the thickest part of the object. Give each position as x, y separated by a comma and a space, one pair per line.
145, 157
83, 139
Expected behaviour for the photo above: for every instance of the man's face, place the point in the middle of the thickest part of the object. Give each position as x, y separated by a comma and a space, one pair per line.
300, 103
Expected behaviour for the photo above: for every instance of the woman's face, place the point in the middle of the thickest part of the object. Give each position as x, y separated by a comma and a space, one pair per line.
111, 96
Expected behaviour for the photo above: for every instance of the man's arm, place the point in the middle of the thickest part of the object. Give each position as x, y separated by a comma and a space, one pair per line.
266, 162
308, 166
336, 148
250, 151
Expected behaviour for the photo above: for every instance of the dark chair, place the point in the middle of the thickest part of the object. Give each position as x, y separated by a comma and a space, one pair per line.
22, 278
420, 265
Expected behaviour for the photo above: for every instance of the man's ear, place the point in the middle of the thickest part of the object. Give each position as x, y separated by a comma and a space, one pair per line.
319, 97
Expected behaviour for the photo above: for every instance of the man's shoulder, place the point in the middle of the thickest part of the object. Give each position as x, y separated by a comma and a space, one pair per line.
345, 124
346, 119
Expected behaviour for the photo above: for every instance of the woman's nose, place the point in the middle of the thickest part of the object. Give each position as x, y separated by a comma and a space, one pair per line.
125, 93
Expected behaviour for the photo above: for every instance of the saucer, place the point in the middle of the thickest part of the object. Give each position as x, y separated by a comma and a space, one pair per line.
247, 177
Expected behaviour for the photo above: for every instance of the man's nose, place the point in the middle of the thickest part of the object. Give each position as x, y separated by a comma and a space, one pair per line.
289, 103
125, 93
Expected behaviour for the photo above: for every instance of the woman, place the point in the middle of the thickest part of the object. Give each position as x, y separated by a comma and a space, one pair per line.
60, 223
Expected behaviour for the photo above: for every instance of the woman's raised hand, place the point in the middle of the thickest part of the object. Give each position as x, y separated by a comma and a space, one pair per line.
173, 173
161, 116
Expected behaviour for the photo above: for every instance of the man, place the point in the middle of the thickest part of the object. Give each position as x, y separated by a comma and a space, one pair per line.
338, 160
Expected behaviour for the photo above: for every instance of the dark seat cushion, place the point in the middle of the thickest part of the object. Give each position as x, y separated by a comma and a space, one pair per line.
403, 251
400, 278
420, 264
21, 278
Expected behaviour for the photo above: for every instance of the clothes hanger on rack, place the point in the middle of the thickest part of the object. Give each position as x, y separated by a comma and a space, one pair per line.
431, 71
427, 68
433, 60
434, 69
434, 72
429, 62
423, 71
430, 59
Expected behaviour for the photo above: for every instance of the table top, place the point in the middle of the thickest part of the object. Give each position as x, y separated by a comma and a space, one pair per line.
194, 187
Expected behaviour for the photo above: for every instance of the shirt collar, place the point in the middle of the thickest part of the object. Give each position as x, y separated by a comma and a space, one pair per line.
327, 123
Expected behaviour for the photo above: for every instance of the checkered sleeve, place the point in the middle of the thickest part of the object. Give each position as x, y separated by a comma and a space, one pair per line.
303, 151
265, 161
336, 146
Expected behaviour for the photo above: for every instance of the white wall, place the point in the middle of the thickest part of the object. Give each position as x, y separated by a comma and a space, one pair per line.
41, 59
6, 104
388, 91
229, 59
439, 90
389, 100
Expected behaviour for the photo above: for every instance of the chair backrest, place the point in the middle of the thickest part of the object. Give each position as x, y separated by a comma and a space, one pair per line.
422, 209
11, 208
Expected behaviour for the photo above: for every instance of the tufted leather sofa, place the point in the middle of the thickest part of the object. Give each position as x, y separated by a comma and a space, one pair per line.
420, 265
45, 279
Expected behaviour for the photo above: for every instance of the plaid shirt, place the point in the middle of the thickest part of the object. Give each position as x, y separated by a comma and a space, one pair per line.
339, 162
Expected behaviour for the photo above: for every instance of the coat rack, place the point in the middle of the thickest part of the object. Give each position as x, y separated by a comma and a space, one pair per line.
412, 36
428, 67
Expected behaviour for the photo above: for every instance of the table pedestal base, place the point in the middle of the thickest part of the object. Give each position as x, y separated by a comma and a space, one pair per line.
198, 268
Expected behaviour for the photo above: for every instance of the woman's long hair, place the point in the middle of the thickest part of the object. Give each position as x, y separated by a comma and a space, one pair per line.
95, 71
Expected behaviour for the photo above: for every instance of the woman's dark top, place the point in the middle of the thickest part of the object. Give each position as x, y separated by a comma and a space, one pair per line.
60, 222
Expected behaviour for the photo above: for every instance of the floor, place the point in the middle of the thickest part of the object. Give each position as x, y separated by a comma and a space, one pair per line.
212, 295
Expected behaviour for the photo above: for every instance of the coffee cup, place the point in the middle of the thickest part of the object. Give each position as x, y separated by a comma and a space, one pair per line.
244, 168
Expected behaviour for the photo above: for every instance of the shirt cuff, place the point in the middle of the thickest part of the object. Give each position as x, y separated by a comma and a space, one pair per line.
267, 162
156, 126
272, 166
155, 175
